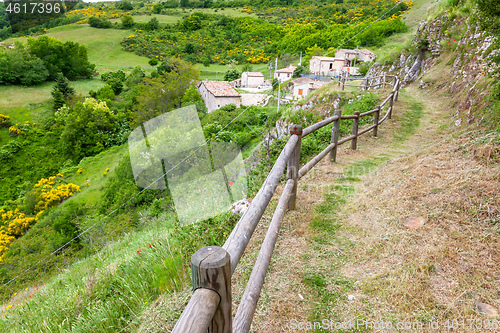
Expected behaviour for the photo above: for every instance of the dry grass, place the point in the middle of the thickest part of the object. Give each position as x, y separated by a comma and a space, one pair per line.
433, 273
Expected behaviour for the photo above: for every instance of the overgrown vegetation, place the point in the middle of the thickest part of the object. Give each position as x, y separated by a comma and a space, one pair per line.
211, 38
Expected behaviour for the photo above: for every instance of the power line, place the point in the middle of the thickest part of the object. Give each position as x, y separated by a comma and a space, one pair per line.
125, 203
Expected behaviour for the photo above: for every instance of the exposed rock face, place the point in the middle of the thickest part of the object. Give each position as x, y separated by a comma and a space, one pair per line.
471, 54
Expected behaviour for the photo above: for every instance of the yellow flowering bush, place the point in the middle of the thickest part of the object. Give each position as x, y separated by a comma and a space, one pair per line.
4, 120
51, 192
14, 130
48, 192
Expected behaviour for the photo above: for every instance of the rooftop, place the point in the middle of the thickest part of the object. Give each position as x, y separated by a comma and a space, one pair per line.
328, 58
302, 80
220, 88
289, 69
258, 74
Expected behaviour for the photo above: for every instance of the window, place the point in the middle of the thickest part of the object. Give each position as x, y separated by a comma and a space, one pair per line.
331, 65
300, 92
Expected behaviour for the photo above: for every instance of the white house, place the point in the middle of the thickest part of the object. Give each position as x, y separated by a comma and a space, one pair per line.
304, 86
358, 54
217, 94
285, 73
251, 79
327, 66
366, 55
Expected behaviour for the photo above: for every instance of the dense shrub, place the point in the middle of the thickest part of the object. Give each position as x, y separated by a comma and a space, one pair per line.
100, 23
69, 58
19, 66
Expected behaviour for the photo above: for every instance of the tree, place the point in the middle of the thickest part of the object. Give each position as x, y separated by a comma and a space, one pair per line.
184, 3
192, 96
153, 62
153, 24
157, 8
135, 77
124, 5
106, 93
58, 99
63, 85
189, 48
127, 21
85, 128
70, 58
96, 22
231, 74
206, 61
61, 91
313, 51
158, 95
18, 66
116, 85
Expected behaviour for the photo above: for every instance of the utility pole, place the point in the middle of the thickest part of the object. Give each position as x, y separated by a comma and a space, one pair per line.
279, 93
275, 66
300, 62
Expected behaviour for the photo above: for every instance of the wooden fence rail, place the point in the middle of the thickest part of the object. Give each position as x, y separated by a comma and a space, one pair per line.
210, 306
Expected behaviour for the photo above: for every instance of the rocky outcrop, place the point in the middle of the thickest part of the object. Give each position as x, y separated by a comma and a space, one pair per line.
470, 50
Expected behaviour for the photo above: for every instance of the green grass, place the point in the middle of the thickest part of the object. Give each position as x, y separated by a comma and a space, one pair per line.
103, 46
163, 19
409, 120
15, 101
93, 178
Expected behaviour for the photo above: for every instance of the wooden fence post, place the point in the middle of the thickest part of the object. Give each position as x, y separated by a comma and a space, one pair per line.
294, 165
355, 125
375, 120
396, 86
343, 82
391, 103
211, 269
335, 135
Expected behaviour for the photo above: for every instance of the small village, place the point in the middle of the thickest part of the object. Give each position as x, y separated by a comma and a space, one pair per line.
322, 70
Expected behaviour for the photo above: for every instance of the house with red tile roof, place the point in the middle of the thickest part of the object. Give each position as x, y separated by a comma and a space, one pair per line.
217, 94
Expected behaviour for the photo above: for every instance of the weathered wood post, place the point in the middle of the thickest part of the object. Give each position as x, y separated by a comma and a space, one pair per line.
396, 86
293, 166
355, 125
335, 135
343, 82
376, 115
391, 102
211, 269
365, 83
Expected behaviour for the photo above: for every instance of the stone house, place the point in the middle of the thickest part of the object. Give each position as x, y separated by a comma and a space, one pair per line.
302, 88
251, 79
327, 66
217, 94
285, 73
361, 55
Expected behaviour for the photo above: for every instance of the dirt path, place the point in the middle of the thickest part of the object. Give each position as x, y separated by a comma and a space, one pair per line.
346, 239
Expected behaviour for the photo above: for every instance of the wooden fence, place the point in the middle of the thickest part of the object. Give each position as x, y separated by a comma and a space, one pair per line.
210, 306
376, 81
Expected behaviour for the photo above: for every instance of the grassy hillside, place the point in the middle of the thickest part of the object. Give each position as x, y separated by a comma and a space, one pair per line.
133, 256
